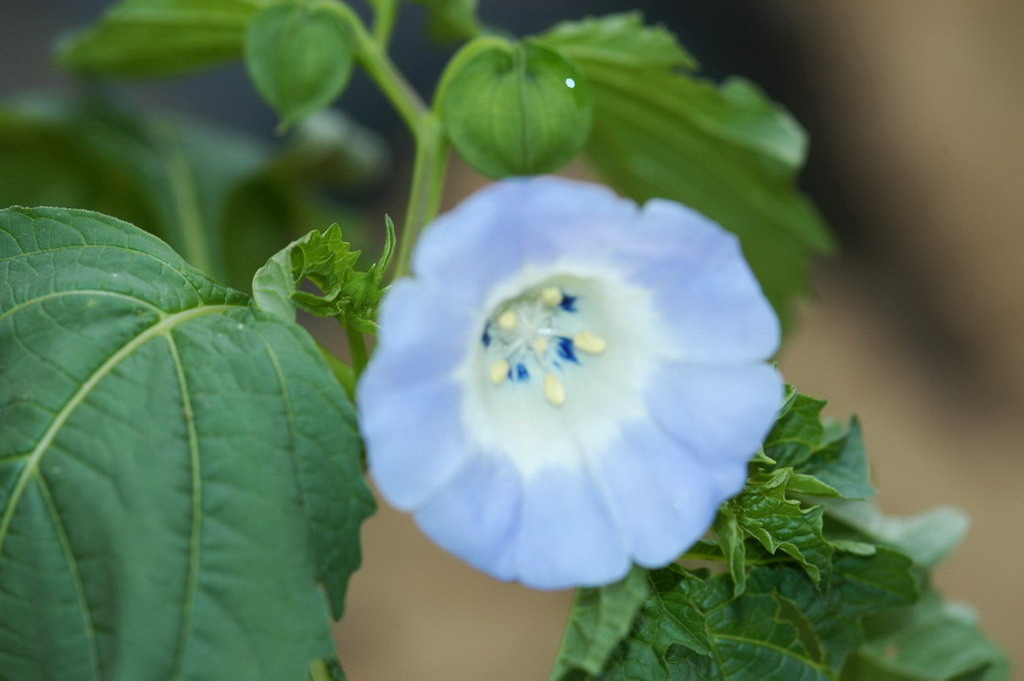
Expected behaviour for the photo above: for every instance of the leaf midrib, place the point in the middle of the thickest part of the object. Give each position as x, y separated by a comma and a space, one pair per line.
164, 326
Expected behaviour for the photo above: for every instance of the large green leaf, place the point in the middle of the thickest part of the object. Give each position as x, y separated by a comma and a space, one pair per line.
177, 471
161, 37
727, 151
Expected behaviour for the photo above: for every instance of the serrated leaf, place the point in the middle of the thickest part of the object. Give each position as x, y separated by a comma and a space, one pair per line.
160, 37
726, 151
745, 636
730, 538
299, 56
797, 432
327, 260
931, 641
926, 537
764, 512
166, 509
842, 464
600, 618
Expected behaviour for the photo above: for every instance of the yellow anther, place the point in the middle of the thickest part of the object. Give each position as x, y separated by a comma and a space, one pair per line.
499, 371
590, 342
554, 390
508, 320
551, 296
540, 345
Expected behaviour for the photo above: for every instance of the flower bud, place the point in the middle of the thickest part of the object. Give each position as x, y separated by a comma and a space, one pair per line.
514, 108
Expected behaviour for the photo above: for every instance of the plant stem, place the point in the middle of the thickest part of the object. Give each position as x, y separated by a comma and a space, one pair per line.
374, 58
357, 348
427, 186
384, 21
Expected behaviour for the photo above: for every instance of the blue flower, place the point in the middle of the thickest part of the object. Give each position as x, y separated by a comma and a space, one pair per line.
569, 383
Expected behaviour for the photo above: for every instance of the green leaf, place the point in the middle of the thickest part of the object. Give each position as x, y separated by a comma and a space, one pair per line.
452, 20
326, 259
514, 108
926, 537
778, 523
930, 641
166, 506
143, 38
599, 620
731, 540
797, 433
842, 464
859, 585
300, 57
726, 151
691, 628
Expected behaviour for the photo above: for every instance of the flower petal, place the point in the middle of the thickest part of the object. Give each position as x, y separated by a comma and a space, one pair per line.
567, 536
660, 494
719, 413
414, 440
476, 515
426, 337
492, 234
706, 292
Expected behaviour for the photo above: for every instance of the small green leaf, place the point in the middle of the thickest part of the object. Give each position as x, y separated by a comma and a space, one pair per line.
730, 539
161, 37
778, 523
842, 464
727, 151
797, 433
599, 620
514, 108
166, 510
327, 260
452, 20
300, 57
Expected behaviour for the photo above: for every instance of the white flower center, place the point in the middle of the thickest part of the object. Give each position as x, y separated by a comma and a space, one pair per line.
560, 364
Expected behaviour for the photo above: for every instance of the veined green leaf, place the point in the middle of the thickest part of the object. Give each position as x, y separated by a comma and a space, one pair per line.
166, 508
599, 620
693, 628
859, 586
727, 151
161, 37
779, 523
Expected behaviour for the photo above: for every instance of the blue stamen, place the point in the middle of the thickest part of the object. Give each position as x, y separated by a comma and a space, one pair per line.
566, 350
568, 302
521, 373
486, 338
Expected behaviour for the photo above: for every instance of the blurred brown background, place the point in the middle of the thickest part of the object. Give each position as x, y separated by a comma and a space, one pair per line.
915, 111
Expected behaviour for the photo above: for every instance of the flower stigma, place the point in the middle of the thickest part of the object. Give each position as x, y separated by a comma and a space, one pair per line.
531, 337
